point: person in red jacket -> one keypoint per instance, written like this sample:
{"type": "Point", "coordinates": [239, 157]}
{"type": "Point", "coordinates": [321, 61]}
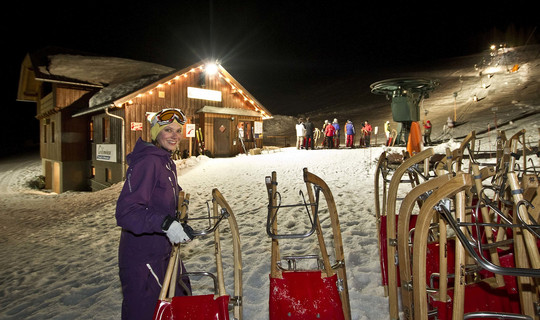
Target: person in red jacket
{"type": "Point", "coordinates": [367, 133]}
{"type": "Point", "coordinates": [427, 133]}
{"type": "Point", "coordinates": [329, 132]}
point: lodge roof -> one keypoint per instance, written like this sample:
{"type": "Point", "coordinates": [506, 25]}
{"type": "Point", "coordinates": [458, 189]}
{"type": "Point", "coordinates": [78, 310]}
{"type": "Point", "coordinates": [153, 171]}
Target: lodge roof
{"type": "Point", "coordinates": [54, 64]}
{"type": "Point", "coordinates": [116, 79]}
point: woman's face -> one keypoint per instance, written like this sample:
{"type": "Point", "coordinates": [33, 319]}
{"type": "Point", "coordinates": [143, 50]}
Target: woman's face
{"type": "Point", "coordinates": [169, 137]}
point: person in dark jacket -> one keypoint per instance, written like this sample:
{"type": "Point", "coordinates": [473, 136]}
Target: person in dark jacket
{"type": "Point", "coordinates": [146, 211]}
{"type": "Point", "coordinates": [337, 133]}
{"type": "Point", "coordinates": [309, 134]}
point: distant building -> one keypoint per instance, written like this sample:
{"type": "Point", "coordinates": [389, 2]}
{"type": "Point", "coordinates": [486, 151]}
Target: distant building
{"type": "Point", "coordinates": [92, 110]}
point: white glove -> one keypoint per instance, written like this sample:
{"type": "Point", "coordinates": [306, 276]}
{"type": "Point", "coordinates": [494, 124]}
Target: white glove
{"type": "Point", "coordinates": [176, 233]}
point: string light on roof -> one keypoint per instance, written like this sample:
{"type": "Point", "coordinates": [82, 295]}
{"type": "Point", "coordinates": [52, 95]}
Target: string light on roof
{"type": "Point", "coordinates": [210, 69]}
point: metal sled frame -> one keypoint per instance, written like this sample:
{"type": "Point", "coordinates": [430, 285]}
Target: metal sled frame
{"type": "Point", "coordinates": [526, 252]}
{"type": "Point", "coordinates": [213, 306]}
{"type": "Point", "coordinates": [476, 249]}
{"type": "Point", "coordinates": [326, 285]}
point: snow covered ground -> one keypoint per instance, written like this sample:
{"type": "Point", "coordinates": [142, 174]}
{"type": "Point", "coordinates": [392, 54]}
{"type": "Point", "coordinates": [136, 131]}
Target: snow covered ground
{"type": "Point", "coordinates": [59, 251]}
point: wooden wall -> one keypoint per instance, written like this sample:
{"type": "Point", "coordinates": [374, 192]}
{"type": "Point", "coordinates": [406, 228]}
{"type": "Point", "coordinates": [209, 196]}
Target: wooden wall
{"type": "Point", "coordinates": [62, 137]}
{"type": "Point", "coordinates": [174, 95]}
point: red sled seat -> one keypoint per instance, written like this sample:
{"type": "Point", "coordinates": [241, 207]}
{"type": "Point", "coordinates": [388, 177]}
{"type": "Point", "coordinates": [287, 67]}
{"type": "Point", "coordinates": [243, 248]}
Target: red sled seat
{"type": "Point", "coordinates": [383, 254]}
{"type": "Point", "coordinates": [480, 297]}
{"type": "Point", "coordinates": [203, 307]}
{"type": "Point", "coordinates": [304, 295]}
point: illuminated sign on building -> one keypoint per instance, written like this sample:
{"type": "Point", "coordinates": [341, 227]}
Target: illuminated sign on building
{"type": "Point", "coordinates": [203, 94]}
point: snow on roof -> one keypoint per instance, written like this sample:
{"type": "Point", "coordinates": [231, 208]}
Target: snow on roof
{"type": "Point", "coordinates": [100, 70]}
{"type": "Point", "coordinates": [118, 76]}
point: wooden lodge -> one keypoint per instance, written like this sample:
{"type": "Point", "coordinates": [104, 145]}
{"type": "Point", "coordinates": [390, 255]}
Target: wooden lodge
{"type": "Point", "coordinates": [90, 121]}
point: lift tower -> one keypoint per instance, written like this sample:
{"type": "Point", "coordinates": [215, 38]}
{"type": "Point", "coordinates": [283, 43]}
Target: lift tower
{"type": "Point", "coordinates": [406, 95]}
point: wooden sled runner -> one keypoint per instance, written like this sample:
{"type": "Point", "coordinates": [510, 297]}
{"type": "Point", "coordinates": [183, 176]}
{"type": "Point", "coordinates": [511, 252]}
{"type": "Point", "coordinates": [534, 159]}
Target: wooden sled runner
{"type": "Point", "coordinates": [307, 293]}
{"type": "Point", "coordinates": [388, 237]}
{"type": "Point", "coordinates": [214, 306]}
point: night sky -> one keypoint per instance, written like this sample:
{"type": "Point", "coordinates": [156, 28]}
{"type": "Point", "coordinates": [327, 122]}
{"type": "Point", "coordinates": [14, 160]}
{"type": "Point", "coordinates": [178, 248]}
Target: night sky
{"type": "Point", "coordinates": [274, 48]}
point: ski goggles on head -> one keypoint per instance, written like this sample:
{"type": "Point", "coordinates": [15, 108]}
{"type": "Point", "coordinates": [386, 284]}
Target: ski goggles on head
{"type": "Point", "coordinates": [167, 116]}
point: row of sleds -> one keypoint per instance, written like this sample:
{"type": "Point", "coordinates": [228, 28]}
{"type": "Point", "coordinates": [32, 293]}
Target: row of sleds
{"type": "Point", "coordinates": [459, 239]}
{"type": "Point", "coordinates": [303, 285]}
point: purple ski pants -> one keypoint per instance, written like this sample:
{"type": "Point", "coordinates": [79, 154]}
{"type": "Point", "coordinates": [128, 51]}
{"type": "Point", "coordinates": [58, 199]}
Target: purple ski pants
{"type": "Point", "coordinates": [141, 290]}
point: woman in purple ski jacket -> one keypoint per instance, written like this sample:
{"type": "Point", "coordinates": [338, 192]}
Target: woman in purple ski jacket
{"type": "Point", "coordinates": [146, 211]}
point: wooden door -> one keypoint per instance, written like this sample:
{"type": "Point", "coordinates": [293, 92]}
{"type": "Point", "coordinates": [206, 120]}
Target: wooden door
{"type": "Point", "coordinates": [222, 135]}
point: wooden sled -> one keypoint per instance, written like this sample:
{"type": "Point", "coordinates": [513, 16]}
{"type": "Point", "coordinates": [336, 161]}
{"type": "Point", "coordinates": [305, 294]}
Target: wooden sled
{"type": "Point", "coordinates": [388, 224]}
{"type": "Point", "coordinates": [453, 161]}
{"type": "Point", "coordinates": [320, 293]}
{"type": "Point", "coordinates": [210, 306]}
{"type": "Point", "coordinates": [404, 239]}
{"type": "Point", "coordinates": [469, 298]}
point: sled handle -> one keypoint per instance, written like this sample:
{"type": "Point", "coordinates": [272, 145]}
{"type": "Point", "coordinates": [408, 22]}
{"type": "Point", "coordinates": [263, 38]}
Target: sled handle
{"type": "Point", "coordinates": [223, 214]}
{"type": "Point", "coordinates": [204, 274]}
{"type": "Point", "coordinates": [273, 211]}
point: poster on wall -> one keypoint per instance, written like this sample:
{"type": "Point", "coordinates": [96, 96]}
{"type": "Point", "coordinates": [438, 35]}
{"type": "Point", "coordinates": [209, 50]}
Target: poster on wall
{"type": "Point", "coordinates": [190, 130]}
{"type": "Point", "coordinates": [258, 127]}
{"type": "Point", "coordinates": [106, 152]}
{"type": "Point", "coordinates": [136, 126]}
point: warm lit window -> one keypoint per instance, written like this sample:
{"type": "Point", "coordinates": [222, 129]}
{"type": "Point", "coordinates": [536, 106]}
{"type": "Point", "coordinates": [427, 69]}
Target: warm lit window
{"type": "Point", "coordinates": [91, 130]}
{"type": "Point", "coordinates": [108, 175]}
{"type": "Point", "coordinates": [245, 130]}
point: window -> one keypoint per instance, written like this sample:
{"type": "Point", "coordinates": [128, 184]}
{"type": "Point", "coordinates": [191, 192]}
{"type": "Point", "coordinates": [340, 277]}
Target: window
{"type": "Point", "coordinates": [91, 130]}
{"type": "Point", "coordinates": [245, 130]}
{"type": "Point", "coordinates": [44, 133]}
{"type": "Point", "coordinates": [92, 172]}
{"type": "Point", "coordinates": [52, 131]}
{"type": "Point", "coordinates": [108, 175]}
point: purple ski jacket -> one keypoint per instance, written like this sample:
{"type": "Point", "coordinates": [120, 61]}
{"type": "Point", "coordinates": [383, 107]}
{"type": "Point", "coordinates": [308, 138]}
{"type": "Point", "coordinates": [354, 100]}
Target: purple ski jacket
{"type": "Point", "coordinates": [150, 193]}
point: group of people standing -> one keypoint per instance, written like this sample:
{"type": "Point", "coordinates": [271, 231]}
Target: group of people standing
{"type": "Point", "coordinates": [307, 136]}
